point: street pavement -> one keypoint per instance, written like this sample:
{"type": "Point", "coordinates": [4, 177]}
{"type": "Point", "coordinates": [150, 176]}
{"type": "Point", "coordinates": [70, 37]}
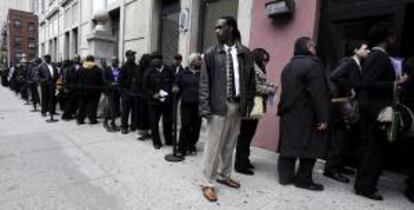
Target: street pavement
{"type": "Point", "coordinates": [65, 166]}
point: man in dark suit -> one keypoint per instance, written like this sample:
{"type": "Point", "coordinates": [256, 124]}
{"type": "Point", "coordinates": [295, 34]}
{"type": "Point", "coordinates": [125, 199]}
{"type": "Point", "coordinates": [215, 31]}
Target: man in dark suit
{"type": "Point", "coordinates": [378, 78]}
{"type": "Point", "coordinates": [178, 67]}
{"type": "Point", "coordinates": [226, 91]}
{"type": "Point", "coordinates": [126, 76]}
{"type": "Point", "coordinates": [32, 81]}
{"type": "Point", "coordinates": [407, 98]}
{"type": "Point", "coordinates": [48, 75]}
{"type": "Point", "coordinates": [347, 82]}
{"type": "Point", "coordinates": [158, 82]}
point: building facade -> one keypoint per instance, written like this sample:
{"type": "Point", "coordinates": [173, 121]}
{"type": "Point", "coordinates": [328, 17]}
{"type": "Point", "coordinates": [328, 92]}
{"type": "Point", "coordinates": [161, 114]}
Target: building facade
{"type": "Point", "coordinates": [23, 5]}
{"type": "Point", "coordinates": [108, 28]}
{"type": "Point", "coordinates": [21, 36]}
{"type": "Point", "coordinates": [5, 5]}
{"type": "Point", "coordinates": [277, 35]}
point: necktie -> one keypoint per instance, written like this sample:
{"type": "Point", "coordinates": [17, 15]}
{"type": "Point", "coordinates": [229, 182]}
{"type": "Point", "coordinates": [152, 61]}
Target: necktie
{"type": "Point", "coordinates": [230, 74]}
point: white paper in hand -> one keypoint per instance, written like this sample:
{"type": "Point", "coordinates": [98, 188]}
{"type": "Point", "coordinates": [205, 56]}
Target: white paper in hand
{"type": "Point", "coordinates": [163, 93]}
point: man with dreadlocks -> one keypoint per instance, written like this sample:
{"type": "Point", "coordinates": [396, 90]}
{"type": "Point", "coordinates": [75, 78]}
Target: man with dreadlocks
{"type": "Point", "coordinates": [226, 92]}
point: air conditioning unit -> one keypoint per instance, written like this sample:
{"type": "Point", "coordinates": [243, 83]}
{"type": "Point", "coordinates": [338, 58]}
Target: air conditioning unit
{"type": "Point", "coordinates": [280, 7]}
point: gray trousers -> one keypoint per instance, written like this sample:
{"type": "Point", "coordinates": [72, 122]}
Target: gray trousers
{"type": "Point", "coordinates": [218, 151]}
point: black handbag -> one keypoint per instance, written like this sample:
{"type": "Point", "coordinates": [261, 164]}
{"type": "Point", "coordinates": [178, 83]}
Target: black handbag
{"type": "Point", "coordinates": [346, 109]}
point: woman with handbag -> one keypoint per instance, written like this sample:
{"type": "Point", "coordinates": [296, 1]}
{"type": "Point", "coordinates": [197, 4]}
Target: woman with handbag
{"type": "Point", "coordinates": [346, 80]}
{"type": "Point", "coordinates": [248, 126]}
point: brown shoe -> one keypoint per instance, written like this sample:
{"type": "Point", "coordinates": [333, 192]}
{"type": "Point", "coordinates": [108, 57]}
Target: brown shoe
{"type": "Point", "coordinates": [229, 183]}
{"type": "Point", "coordinates": [209, 193]}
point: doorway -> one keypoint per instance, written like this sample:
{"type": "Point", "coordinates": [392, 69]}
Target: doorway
{"type": "Point", "coordinates": [343, 21]}
{"type": "Point", "coordinates": [115, 17]}
{"type": "Point", "coordinates": [169, 30]}
{"type": "Point", "coordinates": [75, 48]}
{"type": "Point", "coordinates": [66, 53]}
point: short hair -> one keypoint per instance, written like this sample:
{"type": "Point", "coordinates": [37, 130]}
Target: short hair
{"type": "Point", "coordinates": [379, 33]}
{"type": "Point", "coordinates": [231, 21]}
{"type": "Point", "coordinates": [156, 55]}
{"type": "Point", "coordinates": [144, 61]}
{"type": "Point", "coordinates": [353, 45]}
{"type": "Point", "coordinates": [193, 56]}
{"type": "Point", "coordinates": [178, 57]}
{"type": "Point", "coordinates": [47, 56]}
{"type": "Point", "coordinates": [301, 46]}
{"type": "Point", "coordinates": [90, 58]}
{"type": "Point", "coordinates": [67, 62]}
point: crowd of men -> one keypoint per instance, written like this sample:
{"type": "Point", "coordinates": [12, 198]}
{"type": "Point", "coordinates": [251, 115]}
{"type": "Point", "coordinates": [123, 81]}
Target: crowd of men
{"type": "Point", "coordinates": [226, 85]}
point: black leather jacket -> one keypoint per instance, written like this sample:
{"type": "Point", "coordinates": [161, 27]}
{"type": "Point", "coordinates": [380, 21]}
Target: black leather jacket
{"type": "Point", "coordinates": [213, 95]}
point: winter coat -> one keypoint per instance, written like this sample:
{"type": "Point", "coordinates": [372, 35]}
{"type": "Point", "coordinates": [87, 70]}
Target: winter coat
{"type": "Point", "coordinates": [304, 103]}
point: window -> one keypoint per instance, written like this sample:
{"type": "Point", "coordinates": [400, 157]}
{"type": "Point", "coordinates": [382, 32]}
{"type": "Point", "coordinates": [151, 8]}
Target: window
{"type": "Point", "coordinates": [17, 24]}
{"type": "Point", "coordinates": [31, 56]}
{"type": "Point", "coordinates": [17, 57]}
{"type": "Point", "coordinates": [18, 42]}
{"type": "Point", "coordinates": [31, 42]}
{"type": "Point", "coordinates": [32, 29]}
{"type": "Point", "coordinates": [43, 5]}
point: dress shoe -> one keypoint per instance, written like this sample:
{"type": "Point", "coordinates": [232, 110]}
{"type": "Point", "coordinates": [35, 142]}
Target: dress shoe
{"type": "Point", "coordinates": [370, 195]}
{"type": "Point", "coordinates": [105, 125]}
{"type": "Point", "coordinates": [124, 131]}
{"type": "Point", "coordinates": [229, 183]}
{"type": "Point", "coordinates": [111, 130]}
{"type": "Point", "coordinates": [81, 122]}
{"type": "Point", "coordinates": [209, 193]}
{"type": "Point", "coordinates": [336, 176]}
{"type": "Point", "coordinates": [157, 146]}
{"type": "Point", "coordinates": [312, 186]}
{"type": "Point", "coordinates": [346, 171]}
{"type": "Point", "coordinates": [410, 195]}
{"type": "Point", "coordinates": [244, 171]}
{"type": "Point", "coordinates": [192, 151]}
{"type": "Point", "coordinates": [144, 137]}
{"type": "Point", "coordinates": [115, 128]}
{"type": "Point", "coordinates": [93, 122]}
{"type": "Point", "coordinates": [65, 119]}
{"type": "Point", "coordinates": [250, 165]}
{"type": "Point", "coordinates": [284, 183]}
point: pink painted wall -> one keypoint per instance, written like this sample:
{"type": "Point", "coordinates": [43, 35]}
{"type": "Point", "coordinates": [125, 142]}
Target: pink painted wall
{"type": "Point", "coordinates": [278, 40]}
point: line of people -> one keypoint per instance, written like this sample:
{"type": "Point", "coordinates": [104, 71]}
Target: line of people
{"type": "Point", "coordinates": [319, 114]}
{"type": "Point", "coordinates": [322, 115]}
{"type": "Point", "coordinates": [140, 94]}
{"type": "Point", "coordinates": [226, 86]}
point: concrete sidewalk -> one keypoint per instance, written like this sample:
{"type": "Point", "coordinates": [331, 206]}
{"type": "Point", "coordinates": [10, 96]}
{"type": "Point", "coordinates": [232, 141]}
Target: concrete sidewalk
{"type": "Point", "coordinates": [65, 166]}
